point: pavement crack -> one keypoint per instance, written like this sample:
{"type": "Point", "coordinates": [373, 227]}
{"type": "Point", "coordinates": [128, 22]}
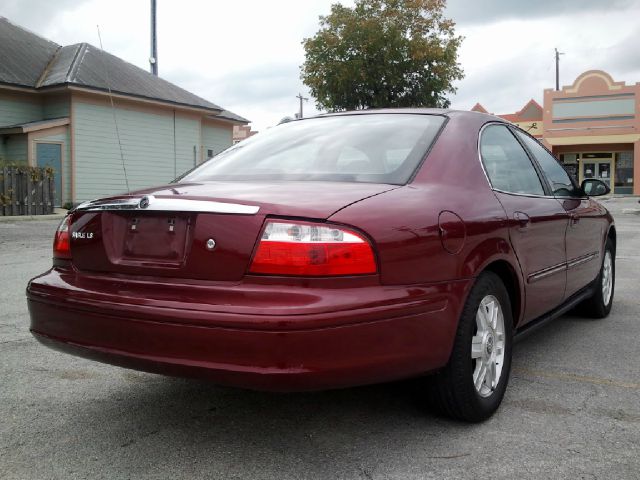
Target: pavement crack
{"type": "Point", "coordinates": [450, 457]}
{"type": "Point", "coordinates": [15, 340]}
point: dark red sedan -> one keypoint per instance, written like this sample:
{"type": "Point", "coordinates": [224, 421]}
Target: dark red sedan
{"type": "Point", "coordinates": [334, 251]}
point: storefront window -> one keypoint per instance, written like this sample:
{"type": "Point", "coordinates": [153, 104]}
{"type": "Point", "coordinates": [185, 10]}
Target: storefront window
{"type": "Point", "coordinates": [624, 171]}
{"type": "Point", "coordinates": [589, 170]}
{"type": "Point", "coordinates": [570, 163]}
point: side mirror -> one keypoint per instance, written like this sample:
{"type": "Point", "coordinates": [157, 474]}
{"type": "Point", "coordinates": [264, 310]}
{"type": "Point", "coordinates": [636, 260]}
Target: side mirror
{"type": "Point", "coordinates": [594, 187]}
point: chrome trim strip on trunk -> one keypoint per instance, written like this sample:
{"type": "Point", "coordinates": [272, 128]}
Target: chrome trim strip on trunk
{"type": "Point", "coordinates": [151, 203]}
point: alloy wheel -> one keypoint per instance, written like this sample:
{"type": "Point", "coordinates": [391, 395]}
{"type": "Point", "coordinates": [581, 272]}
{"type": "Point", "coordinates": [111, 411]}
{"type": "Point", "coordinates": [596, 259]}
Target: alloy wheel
{"type": "Point", "coordinates": [607, 278]}
{"type": "Point", "coordinates": [488, 345]}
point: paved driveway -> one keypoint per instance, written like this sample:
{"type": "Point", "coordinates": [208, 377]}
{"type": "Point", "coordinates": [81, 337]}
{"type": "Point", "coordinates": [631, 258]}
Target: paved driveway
{"type": "Point", "coordinates": [572, 409]}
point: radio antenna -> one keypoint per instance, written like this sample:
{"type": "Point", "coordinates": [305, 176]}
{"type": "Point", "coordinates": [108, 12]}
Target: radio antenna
{"type": "Point", "coordinates": [113, 110]}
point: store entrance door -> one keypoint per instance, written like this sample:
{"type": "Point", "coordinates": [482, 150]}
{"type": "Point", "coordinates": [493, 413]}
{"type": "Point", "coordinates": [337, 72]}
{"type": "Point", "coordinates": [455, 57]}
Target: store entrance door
{"type": "Point", "coordinates": [598, 168]}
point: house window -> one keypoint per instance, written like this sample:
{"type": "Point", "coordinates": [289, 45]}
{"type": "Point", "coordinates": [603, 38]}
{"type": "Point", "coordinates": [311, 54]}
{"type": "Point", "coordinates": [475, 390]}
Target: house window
{"type": "Point", "coordinates": [209, 154]}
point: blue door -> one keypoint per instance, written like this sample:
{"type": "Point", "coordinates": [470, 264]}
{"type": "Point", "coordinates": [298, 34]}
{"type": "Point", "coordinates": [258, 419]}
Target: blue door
{"type": "Point", "coordinates": [50, 155]}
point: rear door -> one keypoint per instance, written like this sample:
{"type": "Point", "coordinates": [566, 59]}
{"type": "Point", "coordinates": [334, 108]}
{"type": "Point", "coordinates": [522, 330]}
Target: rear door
{"type": "Point", "coordinates": [585, 229]}
{"type": "Point", "coordinates": [537, 222]}
{"type": "Point", "coordinates": [49, 155]}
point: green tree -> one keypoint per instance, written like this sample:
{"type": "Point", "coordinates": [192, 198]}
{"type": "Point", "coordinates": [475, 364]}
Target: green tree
{"type": "Point", "coordinates": [383, 53]}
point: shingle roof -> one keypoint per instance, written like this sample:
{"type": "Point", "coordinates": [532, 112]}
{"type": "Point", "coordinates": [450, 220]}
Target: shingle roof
{"type": "Point", "coordinates": [31, 61]}
{"type": "Point", "coordinates": [230, 116]}
{"type": "Point", "coordinates": [87, 66]}
{"type": "Point", "coordinates": [23, 54]}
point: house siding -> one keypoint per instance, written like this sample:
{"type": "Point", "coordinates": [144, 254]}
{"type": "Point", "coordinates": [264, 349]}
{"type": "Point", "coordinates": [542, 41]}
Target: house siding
{"type": "Point", "coordinates": [20, 109]}
{"type": "Point", "coordinates": [216, 138]}
{"type": "Point", "coordinates": [151, 156]}
{"type": "Point", "coordinates": [187, 140]}
{"type": "Point", "coordinates": [56, 107]}
{"type": "Point", "coordinates": [15, 150]}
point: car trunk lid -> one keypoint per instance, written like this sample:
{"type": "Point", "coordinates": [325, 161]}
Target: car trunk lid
{"type": "Point", "coordinates": [199, 231]}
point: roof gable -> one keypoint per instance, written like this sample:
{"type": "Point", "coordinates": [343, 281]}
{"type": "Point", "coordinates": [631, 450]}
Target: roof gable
{"type": "Point", "coordinates": [531, 111]}
{"type": "Point", "coordinates": [479, 108]}
{"type": "Point", "coordinates": [58, 70]}
{"type": "Point", "coordinates": [31, 61]}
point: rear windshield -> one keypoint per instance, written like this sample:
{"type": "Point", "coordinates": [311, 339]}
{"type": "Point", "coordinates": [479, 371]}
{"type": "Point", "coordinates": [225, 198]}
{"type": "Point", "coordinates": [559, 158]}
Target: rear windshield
{"type": "Point", "coordinates": [374, 148]}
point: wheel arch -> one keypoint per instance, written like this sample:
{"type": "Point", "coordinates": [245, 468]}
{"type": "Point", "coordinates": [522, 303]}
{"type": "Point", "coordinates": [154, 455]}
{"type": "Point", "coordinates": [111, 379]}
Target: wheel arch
{"type": "Point", "coordinates": [511, 280]}
{"type": "Point", "coordinates": [496, 255]}
{"type": "Point", "coordinates": [612, 235]}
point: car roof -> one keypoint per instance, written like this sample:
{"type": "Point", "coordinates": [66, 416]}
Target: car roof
{"type": "Point", "coordinates": [447, 112]}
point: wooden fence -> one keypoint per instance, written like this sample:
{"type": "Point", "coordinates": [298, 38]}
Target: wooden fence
{"type": "Point", "coordinates": [26, 191]}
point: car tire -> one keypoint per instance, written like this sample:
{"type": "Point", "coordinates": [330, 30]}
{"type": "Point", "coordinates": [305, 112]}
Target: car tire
{"type": "Point", "coordinates": [454, 391]}
{"type": "Point", "coordinates": [599, 304]}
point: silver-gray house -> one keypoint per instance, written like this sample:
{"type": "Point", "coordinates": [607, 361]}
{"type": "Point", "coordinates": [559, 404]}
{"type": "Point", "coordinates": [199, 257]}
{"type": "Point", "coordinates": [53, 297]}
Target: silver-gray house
{"type": "Point", "coordinates": [55, 110]}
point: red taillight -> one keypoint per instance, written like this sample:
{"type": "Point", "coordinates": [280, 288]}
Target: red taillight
{"type": "Point", "coordinates": [61, 245]}
{"type": "Point", "coordinates": [306, 249]}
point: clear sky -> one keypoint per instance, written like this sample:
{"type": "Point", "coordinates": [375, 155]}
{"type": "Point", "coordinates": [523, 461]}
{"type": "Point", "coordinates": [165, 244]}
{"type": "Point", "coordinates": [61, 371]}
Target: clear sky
{"type": "Point", "coordinates": [245, 55]}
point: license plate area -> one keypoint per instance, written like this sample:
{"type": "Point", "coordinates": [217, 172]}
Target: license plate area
{"type": "Point", "coordinates": [151, 239]}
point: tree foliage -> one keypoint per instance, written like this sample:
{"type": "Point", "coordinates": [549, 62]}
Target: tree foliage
{"type": "Point", "coordinates": [383, 53]}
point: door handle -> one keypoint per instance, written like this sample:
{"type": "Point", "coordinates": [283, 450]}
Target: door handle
{"type": "Point", "coordinates": [574, 218]}
{"type": "Point", "coordinates": [522, 219]}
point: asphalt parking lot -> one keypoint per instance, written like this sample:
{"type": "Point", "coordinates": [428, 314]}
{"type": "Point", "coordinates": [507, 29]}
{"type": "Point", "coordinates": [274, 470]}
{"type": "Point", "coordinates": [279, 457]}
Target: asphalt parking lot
{"type": "Point", "coordinates": [572, 410]}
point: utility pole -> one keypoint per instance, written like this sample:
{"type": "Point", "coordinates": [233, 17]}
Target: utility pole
{"type": "Point", "coordinates": [558, 68]}
{"type": "Point", "coordinates": [153, 59]}
{"type": "Point", "coordinates": [302, 99]}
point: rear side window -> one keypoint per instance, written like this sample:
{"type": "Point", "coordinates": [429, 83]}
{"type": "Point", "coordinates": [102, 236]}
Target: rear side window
{"type": "Point", "coordinates": [558, 177]}
{"type": "Point", "coordinates": [507, 164]}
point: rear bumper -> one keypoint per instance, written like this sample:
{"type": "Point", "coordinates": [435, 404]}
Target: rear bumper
{"type": "Point", "coordinates": [318, 348]}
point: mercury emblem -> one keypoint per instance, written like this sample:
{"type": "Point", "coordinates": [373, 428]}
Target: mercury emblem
{"type": "Point", "coordinates": [490, 345]}
{"type": "Point", "coordinates": [144, 202]}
